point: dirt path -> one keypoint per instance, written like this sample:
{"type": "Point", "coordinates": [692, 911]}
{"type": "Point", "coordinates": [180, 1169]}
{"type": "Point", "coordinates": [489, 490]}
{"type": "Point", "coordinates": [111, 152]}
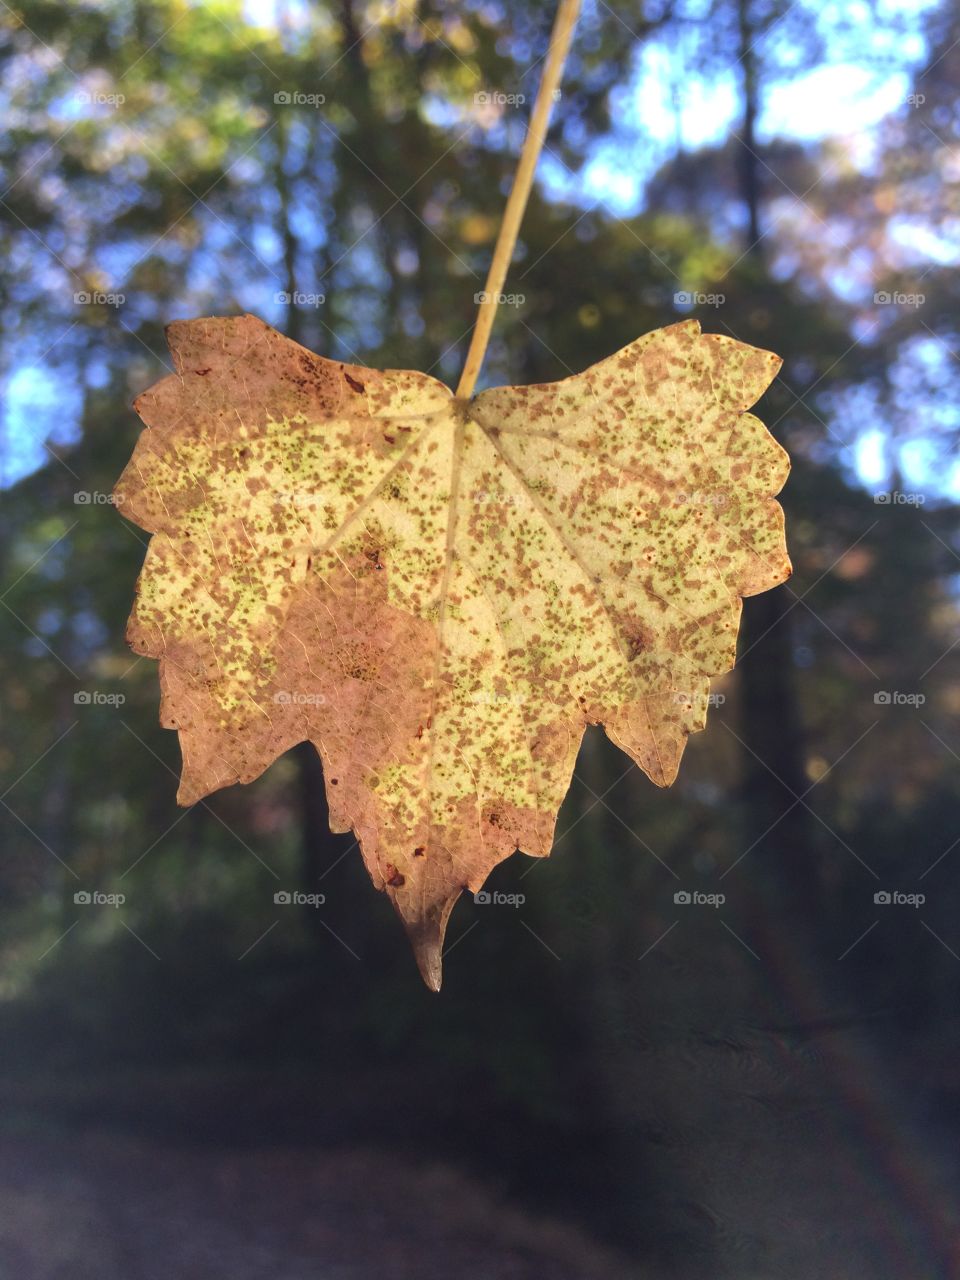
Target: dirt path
{"type": "Point", "coordinates": [83, 1205]}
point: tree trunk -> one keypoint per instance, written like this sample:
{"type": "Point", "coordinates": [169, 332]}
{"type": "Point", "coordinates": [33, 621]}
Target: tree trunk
{"type": "Point", "coordinates": [749, 175]}
{"type": "Point", "coordinates": [770, 723]}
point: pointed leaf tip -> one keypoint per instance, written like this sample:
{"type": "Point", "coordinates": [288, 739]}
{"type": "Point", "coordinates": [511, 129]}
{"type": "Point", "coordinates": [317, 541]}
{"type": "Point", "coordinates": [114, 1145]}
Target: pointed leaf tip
{"type": "Point", "coordinates": [426, 930]}
{"type": "Point", "coordinates": [430, 963]}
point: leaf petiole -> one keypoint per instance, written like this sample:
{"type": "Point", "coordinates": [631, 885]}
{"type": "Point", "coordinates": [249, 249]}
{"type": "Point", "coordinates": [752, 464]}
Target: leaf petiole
{"type": "Point", "coordinates": [560, 39]}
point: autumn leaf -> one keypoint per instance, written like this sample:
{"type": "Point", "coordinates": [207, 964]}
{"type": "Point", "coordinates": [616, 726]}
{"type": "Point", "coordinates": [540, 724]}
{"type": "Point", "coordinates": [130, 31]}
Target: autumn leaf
{"type": "Point", "coordinates": [441, 594]}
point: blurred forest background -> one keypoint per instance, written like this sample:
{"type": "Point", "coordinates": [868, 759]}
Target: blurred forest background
{"type": "Point", "coordinates": [201, 1081]}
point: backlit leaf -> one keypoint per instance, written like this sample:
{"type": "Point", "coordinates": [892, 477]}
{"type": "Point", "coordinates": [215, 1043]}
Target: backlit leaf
{"type": "Point", "coordinates": [439, 594]}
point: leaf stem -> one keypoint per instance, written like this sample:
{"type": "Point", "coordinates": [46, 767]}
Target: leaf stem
{"type": "Point", "coordinates": [560, 38]}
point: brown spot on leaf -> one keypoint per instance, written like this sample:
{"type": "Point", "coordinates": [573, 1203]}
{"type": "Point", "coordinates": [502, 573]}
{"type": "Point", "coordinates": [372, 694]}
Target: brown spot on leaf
{"type": "Point", "coordinates": [639, 637]}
